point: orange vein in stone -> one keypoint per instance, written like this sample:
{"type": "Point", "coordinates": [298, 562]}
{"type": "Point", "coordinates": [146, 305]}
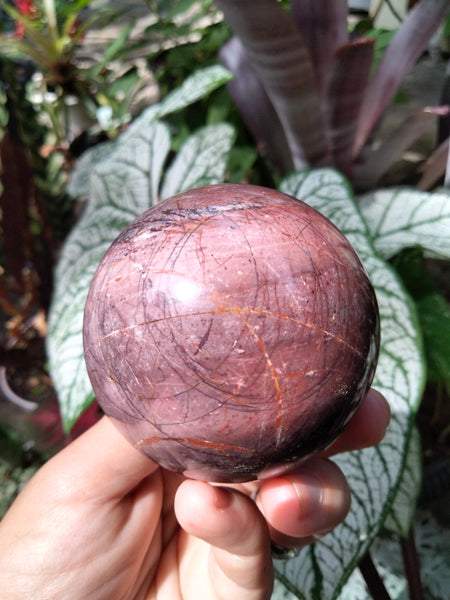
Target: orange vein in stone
{"type": "Point", "coordinates": [225, 310]}
{"type": "Point", "coordinates": [222, 447]}
{"type": "Point", "coordinates": [279, 420]}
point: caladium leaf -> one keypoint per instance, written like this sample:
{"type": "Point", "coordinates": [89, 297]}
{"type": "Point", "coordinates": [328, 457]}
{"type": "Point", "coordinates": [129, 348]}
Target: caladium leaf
{"type": "Point", "coordinates": [198, 85]}
{"type": "Point", "coordinates": [406, 46]}
{"type": "Point", "coordinates": [402, 512]}
{"type": "Point", "coordinates": [79, 182]}
{"type": "Point", "coordinates": [374, 474]}
{"type": "Point", "coordinates": [280, 58]}
{"type": "Point", "coordinates": [121, 187]}
{"type": "Point", "coordinates": [433, 549]}
{"type": "Point", "coordinates": [323, 26]}
{"type": "Point", "coordinates": [118, 193]}
{"type": "Point", "coordinates": [193, 166]}
{"type": "Point", "coordinates": [402, 218]}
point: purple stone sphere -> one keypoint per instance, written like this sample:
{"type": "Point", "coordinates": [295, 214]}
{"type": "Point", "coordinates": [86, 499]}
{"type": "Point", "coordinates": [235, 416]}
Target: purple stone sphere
{"type": "Point", "coordinates": [231, 331]}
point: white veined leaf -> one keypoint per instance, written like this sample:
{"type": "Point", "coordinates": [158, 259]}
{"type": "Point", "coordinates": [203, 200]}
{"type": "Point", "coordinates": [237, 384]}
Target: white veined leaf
{"type": "Point", "coordinates": [195, 87]}
{"type": "Point", "coordinates": [356, 588]}
{"type": "Point", "coordinates": [200, 160]}
{"type": "Point", "coordinates": [402, 511]}
{"type": "Point", "coordinates": [121, 187]}
{"type": "Point", "coordinates": [401, 218]}
{"type": "Point", "coordinates": [433, 549]}
{"type": "Point", "coordinates": [119, 192]}
{"type": "Point", "coordinates": [281, 589]}
{"type": "Point", "coordinates": [374, 474]}
{"type": "Point", "coordinates": [399, 521]}
{"type": "Point", "coordinates": [79, 182]}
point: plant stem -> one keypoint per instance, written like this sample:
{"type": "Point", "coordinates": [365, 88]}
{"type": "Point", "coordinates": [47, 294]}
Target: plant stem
{"type": "Point", "coordinates": [412, 566]}
{"type": "Point", "coordinates": [373, 579]}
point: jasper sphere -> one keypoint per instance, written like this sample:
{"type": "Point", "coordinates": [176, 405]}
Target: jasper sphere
{"type": "Point", "coordinates": [231, 331]}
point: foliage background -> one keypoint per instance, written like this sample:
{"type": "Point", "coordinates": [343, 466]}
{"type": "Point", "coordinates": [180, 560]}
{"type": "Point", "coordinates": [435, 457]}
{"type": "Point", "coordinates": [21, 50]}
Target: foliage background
{"type": "Point", "coordinates": [402, 235]}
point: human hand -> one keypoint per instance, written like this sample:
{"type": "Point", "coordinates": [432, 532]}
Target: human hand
{"type": "Point", "coordinates": [100, 521]}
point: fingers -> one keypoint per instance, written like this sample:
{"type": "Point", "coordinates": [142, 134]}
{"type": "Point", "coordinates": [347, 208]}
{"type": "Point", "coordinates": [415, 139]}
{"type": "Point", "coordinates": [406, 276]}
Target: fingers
{"type": "Point", "coordinates": [367, 427]}
{"type": "Point", "coordinates": [314, 498]}
{"type": "Point", "coordinates": [305, 504]}
{"type": "Point", "coordinates": [240, 563]}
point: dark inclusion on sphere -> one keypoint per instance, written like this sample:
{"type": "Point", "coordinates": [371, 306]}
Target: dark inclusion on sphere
{"type": "Point", "coordinates": [231, 331]}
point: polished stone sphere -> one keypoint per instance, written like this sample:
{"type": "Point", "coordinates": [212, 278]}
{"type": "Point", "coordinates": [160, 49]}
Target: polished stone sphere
{"type": "Point", "coordinates": [231, 331]}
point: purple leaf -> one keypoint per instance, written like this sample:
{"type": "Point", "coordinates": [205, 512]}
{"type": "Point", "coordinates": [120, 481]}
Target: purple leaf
{"type": "Point", "coordinates": [435, 167]}
{"type": "Point", "coordinates": [376, 163]}
{"type": "Point", "coordinates": [254, 105]}
{"type": "Point", "coordinates": [444, 123]}
{"type": "Point", "coordinates": [279, 57]}
{"type": "Point", "coordinates": [323, 26]}
{"type": "Point", "coordinates": [343, 98]}
{"type": "Point", "coordinates": [406, 46]}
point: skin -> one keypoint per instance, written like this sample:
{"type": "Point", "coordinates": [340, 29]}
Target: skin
{"type": "Point", "coordinates": [102, 521]}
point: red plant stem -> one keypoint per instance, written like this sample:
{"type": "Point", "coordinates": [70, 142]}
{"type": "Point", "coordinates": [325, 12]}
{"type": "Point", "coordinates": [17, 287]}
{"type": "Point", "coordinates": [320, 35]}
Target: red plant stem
{"type": "Point", "coordinates": [373, 579]}
{"type": "Point", "coordinates": [412, 566]}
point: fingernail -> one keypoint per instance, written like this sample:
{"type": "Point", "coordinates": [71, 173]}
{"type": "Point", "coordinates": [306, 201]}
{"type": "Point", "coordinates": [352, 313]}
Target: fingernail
{"type": "Point", "coordinates": [222, 498]}
{"type": "Point", "coordinates": [309, 491]}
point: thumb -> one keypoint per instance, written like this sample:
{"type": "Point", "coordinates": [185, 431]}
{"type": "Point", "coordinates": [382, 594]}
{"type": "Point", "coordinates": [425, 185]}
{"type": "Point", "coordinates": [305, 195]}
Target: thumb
{"type": "Point", "coordinates": [99, 464]}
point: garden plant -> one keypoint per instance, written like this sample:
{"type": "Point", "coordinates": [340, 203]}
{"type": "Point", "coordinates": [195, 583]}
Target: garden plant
{"type": "Point", "coordinates": [314, 129]}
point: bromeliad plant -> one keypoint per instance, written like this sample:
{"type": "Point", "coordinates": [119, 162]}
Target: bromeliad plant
{"type": "Point", "coordinates": [50, 100]}
{"type": "Point", "coordinates": [124, 177]}
{"type": "Point", "coordinates": [306, 89]}
{"type": "Point", "coordinates": [48, 34]}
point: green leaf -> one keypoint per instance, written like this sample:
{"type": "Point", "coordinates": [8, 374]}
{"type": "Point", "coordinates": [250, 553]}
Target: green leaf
{"type": "Point", "coordinates": [402, 218]}
{"type": "Point", "coordinates": [181, 7]}
{"type": "Point", "coordinates": [201, 83]}
{"type": "Point", "coordinates": [433, 310]}
{"type": "Point", "coordinates": [121, 186]}
{"type": "Point", "coordinates": [194, 88]}
{"type": "Point", "coordinates": [434, 315]}
{"type": "Point", "coordinates": [114, 48]}
{"type": "Point", "coordinates": [374, 474]}
{"type": "Point", "coordinates": [409, 264]}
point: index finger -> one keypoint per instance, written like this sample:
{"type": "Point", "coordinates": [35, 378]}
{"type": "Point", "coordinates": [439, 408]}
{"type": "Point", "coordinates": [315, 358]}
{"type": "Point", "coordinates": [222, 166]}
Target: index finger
{"type": "Point", "coordinates": [366, 428]}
